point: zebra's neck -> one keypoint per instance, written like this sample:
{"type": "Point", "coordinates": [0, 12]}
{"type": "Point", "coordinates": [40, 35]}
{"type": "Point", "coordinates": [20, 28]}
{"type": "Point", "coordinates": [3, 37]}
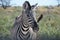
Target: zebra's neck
{"type": "Point", "coordinates": [23, 32]}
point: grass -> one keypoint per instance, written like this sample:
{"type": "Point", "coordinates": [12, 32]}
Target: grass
{"type": "Point", "coordinates": [49, 25]}
{"type": "Point", "coordinates": [7, 18]}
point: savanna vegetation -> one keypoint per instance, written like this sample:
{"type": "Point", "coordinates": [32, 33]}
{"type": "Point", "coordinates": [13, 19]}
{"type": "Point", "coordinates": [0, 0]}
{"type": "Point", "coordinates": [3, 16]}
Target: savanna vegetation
{"type": "Point", "coordinates": [49, 26]}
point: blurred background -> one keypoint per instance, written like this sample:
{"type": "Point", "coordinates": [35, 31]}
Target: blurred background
{"type": "Point", "coordinates": [49, 26]}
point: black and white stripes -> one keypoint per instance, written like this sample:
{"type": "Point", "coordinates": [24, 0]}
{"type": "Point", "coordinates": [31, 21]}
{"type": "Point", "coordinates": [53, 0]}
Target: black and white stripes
{"type": "Point", "coordinates": [25, 25]}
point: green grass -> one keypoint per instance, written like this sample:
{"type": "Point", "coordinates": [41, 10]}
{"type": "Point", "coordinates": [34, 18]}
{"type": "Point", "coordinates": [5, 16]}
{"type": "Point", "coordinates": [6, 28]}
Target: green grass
{"type": "Point", "coordinates": [7, 18]}
{"type": "Point", "coordinates": [49, 25]}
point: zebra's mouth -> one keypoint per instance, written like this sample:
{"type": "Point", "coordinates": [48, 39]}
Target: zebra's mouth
{"type": "Point", "coordinates": [35, 29]}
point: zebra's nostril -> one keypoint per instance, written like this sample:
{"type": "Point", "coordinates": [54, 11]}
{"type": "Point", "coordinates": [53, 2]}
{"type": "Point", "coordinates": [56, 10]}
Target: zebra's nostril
{"type": "Point", "coordinates": [35, 29]}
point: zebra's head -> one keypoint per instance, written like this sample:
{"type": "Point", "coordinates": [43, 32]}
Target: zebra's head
{"type": "Point", "coordinates": [27, 7]}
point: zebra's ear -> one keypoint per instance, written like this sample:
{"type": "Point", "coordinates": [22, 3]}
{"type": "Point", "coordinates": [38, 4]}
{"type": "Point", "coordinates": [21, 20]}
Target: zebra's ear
{"type": "Point", "coordinates": [26, 5]}
{"type": "Point", "coordinates": [33, 6]}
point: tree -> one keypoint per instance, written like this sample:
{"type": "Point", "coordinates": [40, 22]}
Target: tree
{"type": "Point", "coordinates": [5, 3]}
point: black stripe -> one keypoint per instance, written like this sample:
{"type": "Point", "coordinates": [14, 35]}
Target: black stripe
{"type": "Point", "coordinates": [29, 20]}
{"type": "Point", "coordinates": [22, 35]}
{"type": "Point", "coordinates": [24, 26]}
{"type": "Point", "coordinates": [24, 29]}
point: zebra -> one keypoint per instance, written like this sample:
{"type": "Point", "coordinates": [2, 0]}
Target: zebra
{"type": "Point", "coordinates": [25, 26]}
